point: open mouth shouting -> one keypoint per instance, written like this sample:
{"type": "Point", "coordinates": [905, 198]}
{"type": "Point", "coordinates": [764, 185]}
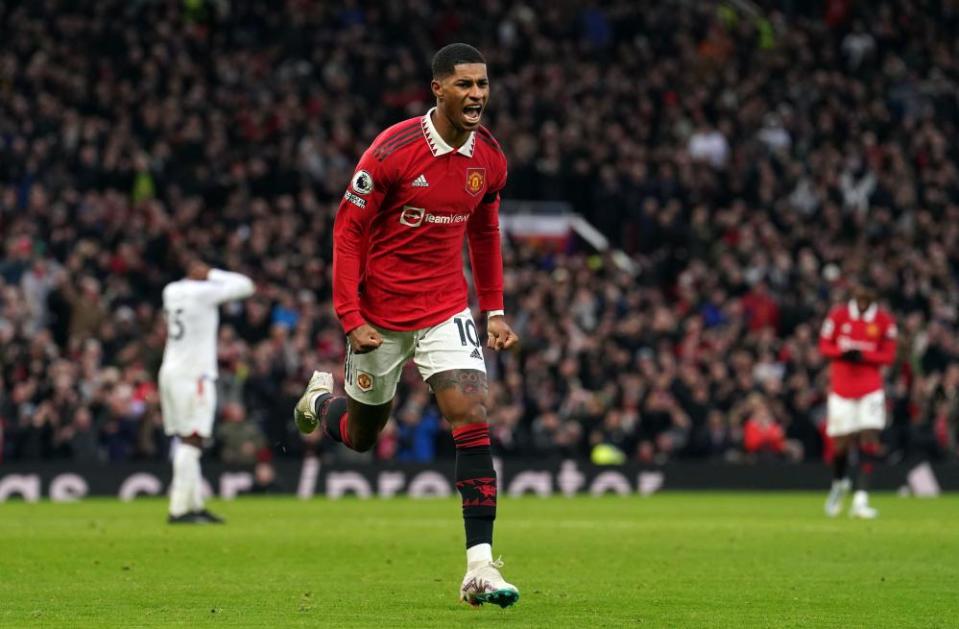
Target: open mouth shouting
{"type": "Point", "coordinates": [471, 115]}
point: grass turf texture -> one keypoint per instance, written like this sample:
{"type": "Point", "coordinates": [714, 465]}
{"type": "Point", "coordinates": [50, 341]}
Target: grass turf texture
{"type": "Point", "coordinates": [673, 560]}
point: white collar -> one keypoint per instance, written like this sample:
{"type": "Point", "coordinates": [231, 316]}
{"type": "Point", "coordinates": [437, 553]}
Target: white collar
{"type": "Point", "coordinates": [869, 315]}
{"type": "Point", "coordinates": [438, 145]}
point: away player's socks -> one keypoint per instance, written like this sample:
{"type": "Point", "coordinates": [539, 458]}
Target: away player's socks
{"type": "Point", "coordinates": [476, 482]}
{"type": "Point", "coordinates": [186, 472]}
{"type": "Point", "coordinates": [331, 411]}
{"type": "Point", "coordinates": [196, 495]}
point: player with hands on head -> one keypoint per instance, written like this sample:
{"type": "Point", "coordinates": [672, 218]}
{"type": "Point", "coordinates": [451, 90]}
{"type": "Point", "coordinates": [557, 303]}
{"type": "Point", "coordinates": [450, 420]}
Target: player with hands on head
{"type": "Point", "coordinates": [399, 291]}
{"type": "Point", "coordinates": [188, 377]}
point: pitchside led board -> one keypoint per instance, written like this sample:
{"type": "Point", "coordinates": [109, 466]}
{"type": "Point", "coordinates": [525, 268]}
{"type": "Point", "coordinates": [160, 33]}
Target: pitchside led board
{"type": "Point", "coordinates": [309, 478]}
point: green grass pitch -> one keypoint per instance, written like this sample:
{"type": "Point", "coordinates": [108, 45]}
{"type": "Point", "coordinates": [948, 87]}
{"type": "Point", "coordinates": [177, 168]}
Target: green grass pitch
{"type": "Point", "coordinates": [671, 560]}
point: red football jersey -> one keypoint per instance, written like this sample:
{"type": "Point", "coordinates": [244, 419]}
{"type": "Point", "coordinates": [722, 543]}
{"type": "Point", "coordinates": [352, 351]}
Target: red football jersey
{"type": "Point", "coordinates": [873, 333]}
{"type": "Point", "coordinates": [398, 233]}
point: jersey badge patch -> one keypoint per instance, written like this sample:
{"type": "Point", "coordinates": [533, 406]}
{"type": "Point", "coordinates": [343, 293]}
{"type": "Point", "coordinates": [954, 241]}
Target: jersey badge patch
{"type": "Point", "coordinates": [359, 202]}
{"type": "Point", "coordinates": [362, 182]}
{"type": "Point", "coordinates": [475, 180]}
{"type": "Point", "coordinates": [364, 381]}
{"type": "Point", "coordinates": [412, 216]}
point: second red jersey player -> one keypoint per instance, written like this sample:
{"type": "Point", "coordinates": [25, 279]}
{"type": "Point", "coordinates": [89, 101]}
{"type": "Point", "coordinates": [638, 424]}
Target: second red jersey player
{"type": "Point", "coordinates": [399, 231]}
{"type": "Point", "coordinates": [860, 339]}
{"type": "Point", "coordinates": [871, 333]}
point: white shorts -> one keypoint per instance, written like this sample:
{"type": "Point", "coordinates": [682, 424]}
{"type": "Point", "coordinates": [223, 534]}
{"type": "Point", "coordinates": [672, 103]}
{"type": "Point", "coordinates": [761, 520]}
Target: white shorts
{"type": "Point", "coordinates": [371, 378]}
{"type": "Point", "coordinates": [188, 404]}
{"type": "Point", "coordinates": [848, 415]}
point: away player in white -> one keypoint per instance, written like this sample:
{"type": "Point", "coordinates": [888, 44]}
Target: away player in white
{"type": "Point", "coordinates": [188, 376]}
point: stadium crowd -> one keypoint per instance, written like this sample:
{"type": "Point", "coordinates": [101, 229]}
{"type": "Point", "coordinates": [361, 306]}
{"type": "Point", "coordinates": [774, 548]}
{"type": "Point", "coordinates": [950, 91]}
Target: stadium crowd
{"type": "Point", "coordinates": [748, 159]}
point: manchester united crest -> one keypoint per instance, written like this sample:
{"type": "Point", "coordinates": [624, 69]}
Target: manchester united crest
{"type": "Point", "coordinates": [872, 331]}
{"type": "Point", "coordinates": [364, 381]}
{"type": "Point", "coordinates": [475, 180]}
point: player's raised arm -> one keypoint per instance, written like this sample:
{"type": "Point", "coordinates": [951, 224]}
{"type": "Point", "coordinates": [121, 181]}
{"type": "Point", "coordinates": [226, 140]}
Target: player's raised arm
{"type": "Point", "coordinates": [360, 203]}
{"type": "Point", "coordinates": [229, 286]}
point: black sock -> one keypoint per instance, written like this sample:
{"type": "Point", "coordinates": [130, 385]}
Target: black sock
{"type": "Point", "coordinates": [840, 465]}
{"type": "Point", "coordinates": [330, 411]}
{"type": "Point", "coordinates": [476, 482]}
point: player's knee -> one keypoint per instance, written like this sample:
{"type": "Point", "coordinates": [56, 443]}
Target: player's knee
{"type": "Point", "coordinates": [194, 440]}
{"type": "Point", "coordinates": [469, 411]}
{"type": "Point", "coordinates": [362, 440]}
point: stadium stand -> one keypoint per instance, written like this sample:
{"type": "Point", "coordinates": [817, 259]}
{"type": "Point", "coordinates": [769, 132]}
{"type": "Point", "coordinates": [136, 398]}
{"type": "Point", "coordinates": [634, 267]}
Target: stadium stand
{"type": "Point", "coordinates": [748, 157]}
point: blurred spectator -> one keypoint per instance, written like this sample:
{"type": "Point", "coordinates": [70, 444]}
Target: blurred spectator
{"type": "Point", "coordinates": [239, 440]}
{"type": "Point", "coordinates": [417, 425]}
{"type": "Point", "coordinates": [763, 433]}
{"type": "Point", "coordinates": [80, 437]}
{"type": "Point", "coordinates": [945, 408]}
{"type": "Point", "coordinates": [717, 439]}
{"type": "Point", "coordinates": [264, 479]}
{"type": "Point", "coordinates": [709, 145]}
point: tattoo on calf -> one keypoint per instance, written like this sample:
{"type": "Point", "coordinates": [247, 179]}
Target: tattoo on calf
{"type": "Point", "coordinates": [469, 381]}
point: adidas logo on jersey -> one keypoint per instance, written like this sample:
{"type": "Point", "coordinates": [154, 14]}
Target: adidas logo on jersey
{"type": "Point", "coordinates": [420, 182]}
{"type": "Point", "coordinates": [476, 354]}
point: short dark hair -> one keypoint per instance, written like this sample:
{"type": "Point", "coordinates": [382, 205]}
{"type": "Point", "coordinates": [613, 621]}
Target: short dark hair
{"type": "Point", "coordinates": [450, 56]}
{"type": "Point", "coordinates": [864, 281]}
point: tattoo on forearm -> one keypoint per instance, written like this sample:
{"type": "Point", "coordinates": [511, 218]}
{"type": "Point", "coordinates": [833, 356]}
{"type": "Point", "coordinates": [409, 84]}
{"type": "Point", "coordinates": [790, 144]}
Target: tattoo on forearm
{"type": "Point", "coordinates": [469, 381]}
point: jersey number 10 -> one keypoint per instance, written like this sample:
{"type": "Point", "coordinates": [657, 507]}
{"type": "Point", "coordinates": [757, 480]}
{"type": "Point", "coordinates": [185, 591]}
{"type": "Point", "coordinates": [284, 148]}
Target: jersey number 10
{"type": "Point", "coordinates": [467, 331]}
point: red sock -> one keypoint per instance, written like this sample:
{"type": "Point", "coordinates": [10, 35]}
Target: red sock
{"type": "Point", "coordinates": [345, 430]}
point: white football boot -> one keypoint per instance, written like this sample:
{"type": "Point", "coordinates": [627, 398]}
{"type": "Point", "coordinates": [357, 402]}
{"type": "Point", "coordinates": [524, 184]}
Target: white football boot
{"type": "Point", "coordinates": [485, 584]}
{"type": "Point", "coordinates": [860, 507]}
{"type": "Point", "coordinates": [836, 495]}
{"type": "Point", "coordinates": [304, 413]}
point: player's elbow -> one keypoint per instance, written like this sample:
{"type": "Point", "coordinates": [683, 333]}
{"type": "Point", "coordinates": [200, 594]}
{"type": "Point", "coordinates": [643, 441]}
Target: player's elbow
{"type": "Point", "coordinates": [246, 287]}
{"type": "Point", "coordinates": [240, 286]}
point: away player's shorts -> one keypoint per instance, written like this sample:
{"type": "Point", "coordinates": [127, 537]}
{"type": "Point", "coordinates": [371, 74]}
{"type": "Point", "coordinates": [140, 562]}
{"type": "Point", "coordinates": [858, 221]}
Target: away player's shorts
{"type": "Point", "coordinates": [851, 415]}
{"type": "Point", "coordinates": [188, 404]}
{"type": "Point", "coordinates": [371, 378]}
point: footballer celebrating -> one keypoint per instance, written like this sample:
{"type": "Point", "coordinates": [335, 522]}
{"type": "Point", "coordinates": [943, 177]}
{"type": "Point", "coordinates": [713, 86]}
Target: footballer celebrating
{"type": "Point", "coordinates": [188, 377]}
{"type": "Point", "coordinates": [400, 292]}
{"type": "Point", "coordinates": [860, 339]}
